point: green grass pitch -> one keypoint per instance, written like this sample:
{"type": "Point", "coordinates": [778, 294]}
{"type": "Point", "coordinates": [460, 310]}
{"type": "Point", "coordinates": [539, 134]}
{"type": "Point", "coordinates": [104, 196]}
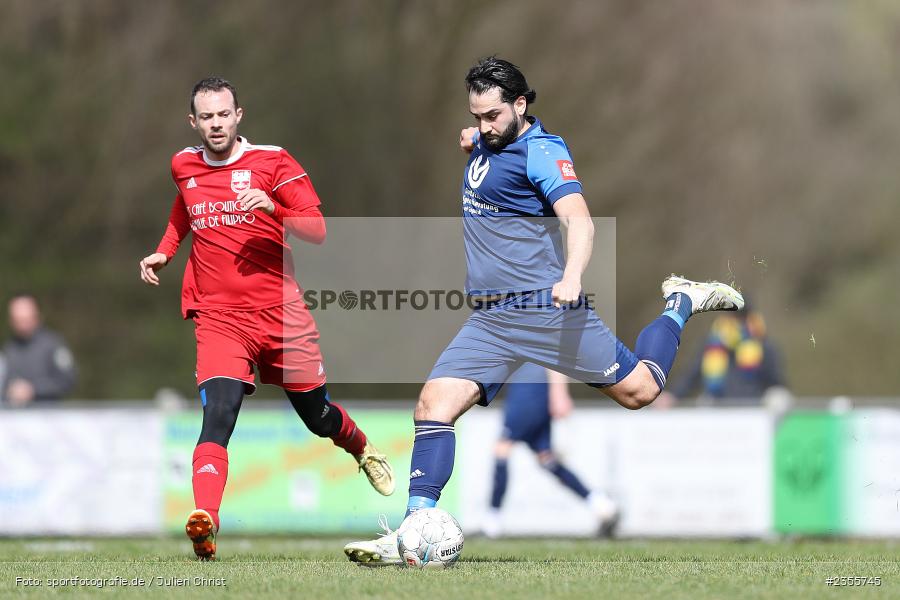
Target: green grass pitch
{"type": "Point", "coordinates": [294, 567]}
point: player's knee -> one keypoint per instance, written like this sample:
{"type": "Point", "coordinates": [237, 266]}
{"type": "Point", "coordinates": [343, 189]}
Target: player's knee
{"type": "Point", "coordinates": [647, 395]}
{"type": "Point", "coordinates": [445, 400]}
{"type": "Point", "coordinates": [313, 407]}
{"type": "Point", "coordinates": [503, 449]}
{"type": "Point", "coordinates": [425, 404]}
{"type": "Point", "coordinates": [222, 399]}
{"type": "Point", "coordinates": [432, 403]}
{"type": "Point", "coordinates": [547, 459]}
{"type": "Point", "coordinates": [638, 398]}
{"type": "Point", "coordinates": [638, 390]}
{"type": "Point", "coordinates": [218, 425]}
{"type": "Point", "coordinates": [323, 427]}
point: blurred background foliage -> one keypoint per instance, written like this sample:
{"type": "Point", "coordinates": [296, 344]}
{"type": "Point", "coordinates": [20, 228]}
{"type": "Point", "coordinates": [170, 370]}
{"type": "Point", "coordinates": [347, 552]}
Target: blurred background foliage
{"type": "Point", "coordinates": [757, 141]}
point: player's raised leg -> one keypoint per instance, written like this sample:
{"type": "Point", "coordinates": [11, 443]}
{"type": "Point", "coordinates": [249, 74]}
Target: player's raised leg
{"type": "Point", "coordinates": [329, 419]}
{"type": "Point", "coordinates": [221, 398]}
{"type": "Point", "coordinates": [657, 344]}
{"type": "Point", "coordinates": [442, 401]}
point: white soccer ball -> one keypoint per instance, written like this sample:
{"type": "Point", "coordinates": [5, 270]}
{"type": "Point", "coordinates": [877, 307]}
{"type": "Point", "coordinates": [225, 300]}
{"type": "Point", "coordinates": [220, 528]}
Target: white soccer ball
{"type": "Point", "coordinates": [430, 538]}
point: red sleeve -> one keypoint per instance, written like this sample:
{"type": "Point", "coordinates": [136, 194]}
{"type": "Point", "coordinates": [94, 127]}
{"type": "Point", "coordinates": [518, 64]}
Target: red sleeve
{"type": "Point", "coordinates": [178, 228]}
{"type": "Point", "coordinates": [292, 188]}
{"type": "Point", "coordinates": [296, 201]}
{"type": "Point", "coordinates": [308, 224]}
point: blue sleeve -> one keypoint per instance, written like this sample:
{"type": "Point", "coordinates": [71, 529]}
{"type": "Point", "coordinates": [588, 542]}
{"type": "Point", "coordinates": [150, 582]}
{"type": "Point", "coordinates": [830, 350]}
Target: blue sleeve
{"type": "Point", "coordinates": [550, 168]}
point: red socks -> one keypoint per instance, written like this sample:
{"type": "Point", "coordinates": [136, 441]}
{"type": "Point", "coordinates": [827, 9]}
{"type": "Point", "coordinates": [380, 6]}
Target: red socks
{"type": "Point", "coordinates": [350, 437]}
{"type": "Point", "coordinates": [210, 473]}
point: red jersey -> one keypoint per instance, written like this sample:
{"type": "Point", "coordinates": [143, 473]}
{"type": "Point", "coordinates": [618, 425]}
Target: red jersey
{"type": "Point", "coordinates": [239, 260]}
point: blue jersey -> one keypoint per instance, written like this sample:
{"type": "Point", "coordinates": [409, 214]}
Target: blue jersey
{"type": "Point", "coordinates": [512, 237]}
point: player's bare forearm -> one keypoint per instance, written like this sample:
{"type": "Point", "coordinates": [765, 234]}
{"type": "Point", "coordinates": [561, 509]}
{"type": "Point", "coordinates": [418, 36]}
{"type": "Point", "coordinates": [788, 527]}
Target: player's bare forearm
{"type": "Point", "coordinates": [573, 213]}
{"type": "Point", "coordinates": [580, 245]}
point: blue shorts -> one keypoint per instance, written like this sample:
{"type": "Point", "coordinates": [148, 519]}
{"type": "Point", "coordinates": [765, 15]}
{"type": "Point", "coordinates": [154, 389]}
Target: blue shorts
{"type": "Point", "coordinates": [527, 328]}
{"type": "Point", "coordinates": [526, 409]}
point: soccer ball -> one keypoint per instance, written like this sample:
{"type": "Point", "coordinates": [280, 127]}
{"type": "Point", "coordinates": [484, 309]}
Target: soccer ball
{"type": "Point", "coordinates": [430, 538]}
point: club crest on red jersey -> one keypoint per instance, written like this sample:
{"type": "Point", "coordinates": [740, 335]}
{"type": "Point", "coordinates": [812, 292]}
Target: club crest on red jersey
{"type": "Point", "coordinates": [240, 181]}
{"type": "Point", "coordinates": [567, 170]}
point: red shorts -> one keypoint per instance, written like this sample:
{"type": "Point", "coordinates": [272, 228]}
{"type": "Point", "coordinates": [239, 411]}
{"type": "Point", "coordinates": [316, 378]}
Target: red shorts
{"type": "Point", "coordinates": [281, 341]}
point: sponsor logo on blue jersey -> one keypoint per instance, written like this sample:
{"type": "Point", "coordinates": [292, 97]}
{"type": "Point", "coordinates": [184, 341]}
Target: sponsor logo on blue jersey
{"type": "Point", "coordinates": [478, 170]}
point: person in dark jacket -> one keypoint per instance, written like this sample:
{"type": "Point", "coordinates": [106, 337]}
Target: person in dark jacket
{"type": "Point", "coordinates": [38, 364]}
{"type": "Point", "coordinates": [738, 362]}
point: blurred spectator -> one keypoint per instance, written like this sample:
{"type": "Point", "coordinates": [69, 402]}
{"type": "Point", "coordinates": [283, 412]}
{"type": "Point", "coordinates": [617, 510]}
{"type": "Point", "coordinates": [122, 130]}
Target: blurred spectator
{"type": "Point", "coordinates": [38, 365]}
{"type": "Point", "coordinates": [737, 363]}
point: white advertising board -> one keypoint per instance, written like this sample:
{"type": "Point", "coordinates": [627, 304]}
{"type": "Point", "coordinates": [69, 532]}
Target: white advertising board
{"type": "Point", "coordinates": [871, 473]}
{"type": "Point", "coordinates": [68, 472]}
{"type": "Point", "coordinates": [683, 472]}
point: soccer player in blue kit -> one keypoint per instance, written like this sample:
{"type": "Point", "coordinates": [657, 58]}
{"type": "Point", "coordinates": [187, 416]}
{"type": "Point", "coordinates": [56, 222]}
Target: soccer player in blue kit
{"type": "Point", "coordinates": [534, 398]}
{"type": "Point", "coordinates": [518, 186]}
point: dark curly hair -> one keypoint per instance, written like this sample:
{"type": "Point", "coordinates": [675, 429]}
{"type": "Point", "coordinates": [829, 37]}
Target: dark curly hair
{"type": "Point", "coordinates": [492, 72]}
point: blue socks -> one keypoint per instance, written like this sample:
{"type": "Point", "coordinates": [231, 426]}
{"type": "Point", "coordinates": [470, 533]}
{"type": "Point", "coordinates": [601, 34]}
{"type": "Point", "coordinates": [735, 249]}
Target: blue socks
{"type": "Point", "coordinates": [432, 463]}
{"type": "Point", "coordinates": [567, 478]}
{"type": "Point", "coordinates": [501, 477]}
{"type": "Point", "coordinates": [657, 344]}
{"type": "Point", "coordinates": [678, 308]}
{"type": "Point", "coordinates": [564, 475]}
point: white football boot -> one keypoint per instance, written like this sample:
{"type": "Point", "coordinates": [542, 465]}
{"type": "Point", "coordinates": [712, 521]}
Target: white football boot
{"type": "Point", "coordinates": [606, 511]}
{"type": "Point", "coordinates": [491, 526]}
{"type": "Point", "coordinates": [705, 296]}
{"type": "Point", "coordinates": [382, 552]}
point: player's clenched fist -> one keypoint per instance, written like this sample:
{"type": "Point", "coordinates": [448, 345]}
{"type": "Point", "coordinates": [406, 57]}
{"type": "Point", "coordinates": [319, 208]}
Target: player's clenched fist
{"type": "Point", "coordinates": [566, 292]}
{"type": "Point", "coordinates": [467, 138]}
{"type": "Point", "coordinates": [252, 199]}
{"type": "Point", "coordinates": [150, 265]}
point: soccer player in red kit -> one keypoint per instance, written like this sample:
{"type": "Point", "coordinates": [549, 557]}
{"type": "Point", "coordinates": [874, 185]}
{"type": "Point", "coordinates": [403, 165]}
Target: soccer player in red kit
{"type": "Point", "coordinates": [240, 200]}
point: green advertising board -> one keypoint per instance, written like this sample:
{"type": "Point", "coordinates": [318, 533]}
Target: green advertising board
{"type": "Point", "coordinates": [283, 479]}
{"type": "Point", "coordinates": [809, 472]}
